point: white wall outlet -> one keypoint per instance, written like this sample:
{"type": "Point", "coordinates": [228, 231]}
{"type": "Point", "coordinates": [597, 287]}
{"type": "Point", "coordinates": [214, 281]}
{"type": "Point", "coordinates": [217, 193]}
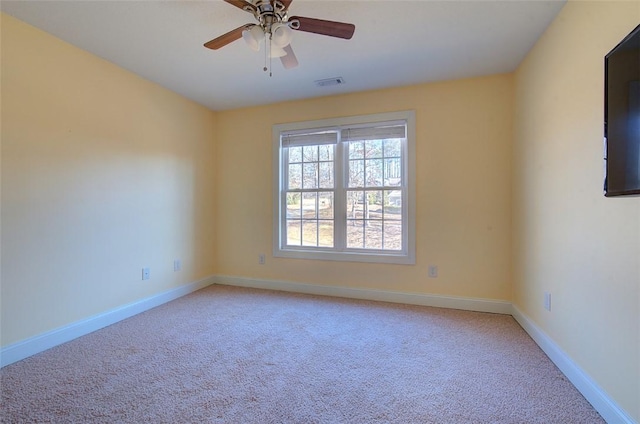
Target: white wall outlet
{"type": "Point", "coordinates": [261, 259]}
{"type": "Point", "coordinates": [547, 301]}
{"type": "Point", "coordinates": [433, 271]}
{"type": "Point", "coordinates": [146, 273]}
{"type": "Point", "coordinates": [177, 265]}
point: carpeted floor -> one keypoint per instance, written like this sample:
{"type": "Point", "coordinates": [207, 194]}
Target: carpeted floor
{"type": "Point", "coordinates": [236, 355]}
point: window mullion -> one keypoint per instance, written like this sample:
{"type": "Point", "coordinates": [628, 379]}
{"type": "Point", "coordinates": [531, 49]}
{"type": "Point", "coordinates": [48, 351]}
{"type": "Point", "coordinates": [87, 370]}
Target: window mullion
{"type": "Point", "coordinates": [340, 197]}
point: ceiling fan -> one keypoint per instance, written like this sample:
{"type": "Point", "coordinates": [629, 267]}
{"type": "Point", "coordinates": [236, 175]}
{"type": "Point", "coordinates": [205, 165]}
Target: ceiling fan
{"type": "Point", "coordinates": [275, 28]}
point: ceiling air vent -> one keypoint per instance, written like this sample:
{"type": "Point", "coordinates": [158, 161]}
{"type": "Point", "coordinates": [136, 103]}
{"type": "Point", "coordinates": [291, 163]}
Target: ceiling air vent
{"type": "Point", "coordinates": [329, 81]}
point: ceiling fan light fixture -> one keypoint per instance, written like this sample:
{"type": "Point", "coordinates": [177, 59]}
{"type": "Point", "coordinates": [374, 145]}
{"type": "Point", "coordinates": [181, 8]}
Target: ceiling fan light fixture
{"type": "Point", "coordinates": [281, 34]}
{"type": "Point", "coordinates": [253, 36]}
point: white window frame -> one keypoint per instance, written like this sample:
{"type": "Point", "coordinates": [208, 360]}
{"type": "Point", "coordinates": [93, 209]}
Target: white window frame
{"type": "Point", "coordinates": [406, 255]}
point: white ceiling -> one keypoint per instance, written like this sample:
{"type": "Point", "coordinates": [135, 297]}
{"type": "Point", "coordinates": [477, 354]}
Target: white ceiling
{"type": "Point", "coordinates": [395, 43]}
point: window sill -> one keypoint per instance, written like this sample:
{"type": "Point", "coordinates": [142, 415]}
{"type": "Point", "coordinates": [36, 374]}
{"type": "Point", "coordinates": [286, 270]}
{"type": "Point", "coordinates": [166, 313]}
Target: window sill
{"type": "Point", "coordinates": [381, 258]}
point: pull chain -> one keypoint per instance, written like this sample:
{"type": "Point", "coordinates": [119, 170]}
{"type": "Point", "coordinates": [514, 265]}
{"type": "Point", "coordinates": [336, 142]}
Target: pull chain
{"type": "Point", "coordinates": [266, 54]}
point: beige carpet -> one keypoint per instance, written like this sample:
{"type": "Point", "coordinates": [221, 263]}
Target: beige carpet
{"type": "Point", "coordinates": [235, 355]}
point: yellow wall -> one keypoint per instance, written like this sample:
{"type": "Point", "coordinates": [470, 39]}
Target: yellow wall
{"type": "Point", "coordinates": [463, 225]}
{"type": "Point", "coordinates": [568, 238]}
{"type": "Point", "coordinates": [102, 173]}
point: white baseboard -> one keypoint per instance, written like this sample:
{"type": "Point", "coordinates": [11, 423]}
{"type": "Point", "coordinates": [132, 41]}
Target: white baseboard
{"type": "Point", "coordinates": [452, 302]}
{"type": "Point", "coordinates": [610, 411]}
{"type": "Point", "coordinates": [42, 342]}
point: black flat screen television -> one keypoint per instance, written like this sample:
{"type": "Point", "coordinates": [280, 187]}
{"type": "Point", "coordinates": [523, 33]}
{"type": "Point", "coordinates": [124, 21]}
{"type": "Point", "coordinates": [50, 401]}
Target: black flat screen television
{"type": "Point", "coordinates": [622, 117]}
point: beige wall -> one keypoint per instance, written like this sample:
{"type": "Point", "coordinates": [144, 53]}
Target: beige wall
{"type": "Point", "coordinates": [463, 226]}
{"type": "Point", "coordinates": [568, 238]}
{"type": "Point", "coordinates": [102, 173]}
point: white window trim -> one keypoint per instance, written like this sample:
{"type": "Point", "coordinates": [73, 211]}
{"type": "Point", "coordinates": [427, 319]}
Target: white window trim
{"type": "Point", "coordinates": [364, 255]}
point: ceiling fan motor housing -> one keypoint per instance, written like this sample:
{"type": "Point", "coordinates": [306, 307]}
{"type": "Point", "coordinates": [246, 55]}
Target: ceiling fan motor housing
{"type": "Point", "coordinates": [269, 13]}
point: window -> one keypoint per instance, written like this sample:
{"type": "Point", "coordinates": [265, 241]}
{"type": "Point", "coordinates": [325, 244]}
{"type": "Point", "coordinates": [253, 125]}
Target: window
{"type": "Point", "coordinates": [344, 189]}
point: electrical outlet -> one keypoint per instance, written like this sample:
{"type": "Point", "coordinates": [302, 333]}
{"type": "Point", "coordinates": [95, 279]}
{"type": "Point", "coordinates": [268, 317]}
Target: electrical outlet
{"type": "Point", "coordinates": [146, 273]}
{"type": "Point", "coordinates": [177, 265]}
{"type": "Point", "coordinates": [261, 259]}
{"type": "Point", "coordinates": [547, 301]}
{"type": "Point", "coordinates": [433, 271]}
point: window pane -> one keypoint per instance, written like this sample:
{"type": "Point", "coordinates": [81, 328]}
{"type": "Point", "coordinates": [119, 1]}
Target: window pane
{"type": "Point", "coordinates": [326, 233]}
{"type": "Point", "coordinates": [355, 201]}
{"type": "Point", "coordinates": [355, 234]}
{"type": "Point", "coordinates": [356, 150]}
{"type": "Point", "coordinates": [356, 173]}
{"type": "Point", "coordinates": [373, 235]}
{"type": "Point", "coordinates": [293, 205]}
{"type": "Point", "coordinates": [309, 233]}
{"type": "Point", "coordinates": [373, 149]}
{"type": "Point", "coordinates": [373, 204]}
{"type": "Point", "coordinates": [392, 172]}
{"type": "Point", "coordinates": [392, 147]}
{"type": "Point", "coordinates": [310, 205]}
{"type": "Point", "coordinates": [310, 179]}
{"type": "Point", "coordinates": [293, 232]}
{"type": "Point", "coordinates": [326, 175]}
{"type": "Point", "coordinates": [373, 173]}
{"type": "Point", "coordinates": [325, 205]}
{"type": "Point", "coordinates": [310, 153]}
{"type": "Point", "coordinates": [326, 152]}
{"type": "Point", "coordinates": [295, 154]}
{"type": "Point", "coordinates": [393, 205]}
{"type": "Point", "coordinates": [392, 235]}
{"type": "Point", "coordinates": [295, 177]}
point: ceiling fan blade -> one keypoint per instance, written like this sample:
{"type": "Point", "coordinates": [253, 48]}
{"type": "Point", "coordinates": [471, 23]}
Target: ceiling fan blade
{"type": "Point", "coordinates": [227, 38]}
{"type": "Point", "coordinates": [320, 26]}
{"type": "Point", "coordinates": [289, 60]}
{"type": "Point", "coordinates": [242, 4]}
{"type": "Point", "coordinates": [286, 3]}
